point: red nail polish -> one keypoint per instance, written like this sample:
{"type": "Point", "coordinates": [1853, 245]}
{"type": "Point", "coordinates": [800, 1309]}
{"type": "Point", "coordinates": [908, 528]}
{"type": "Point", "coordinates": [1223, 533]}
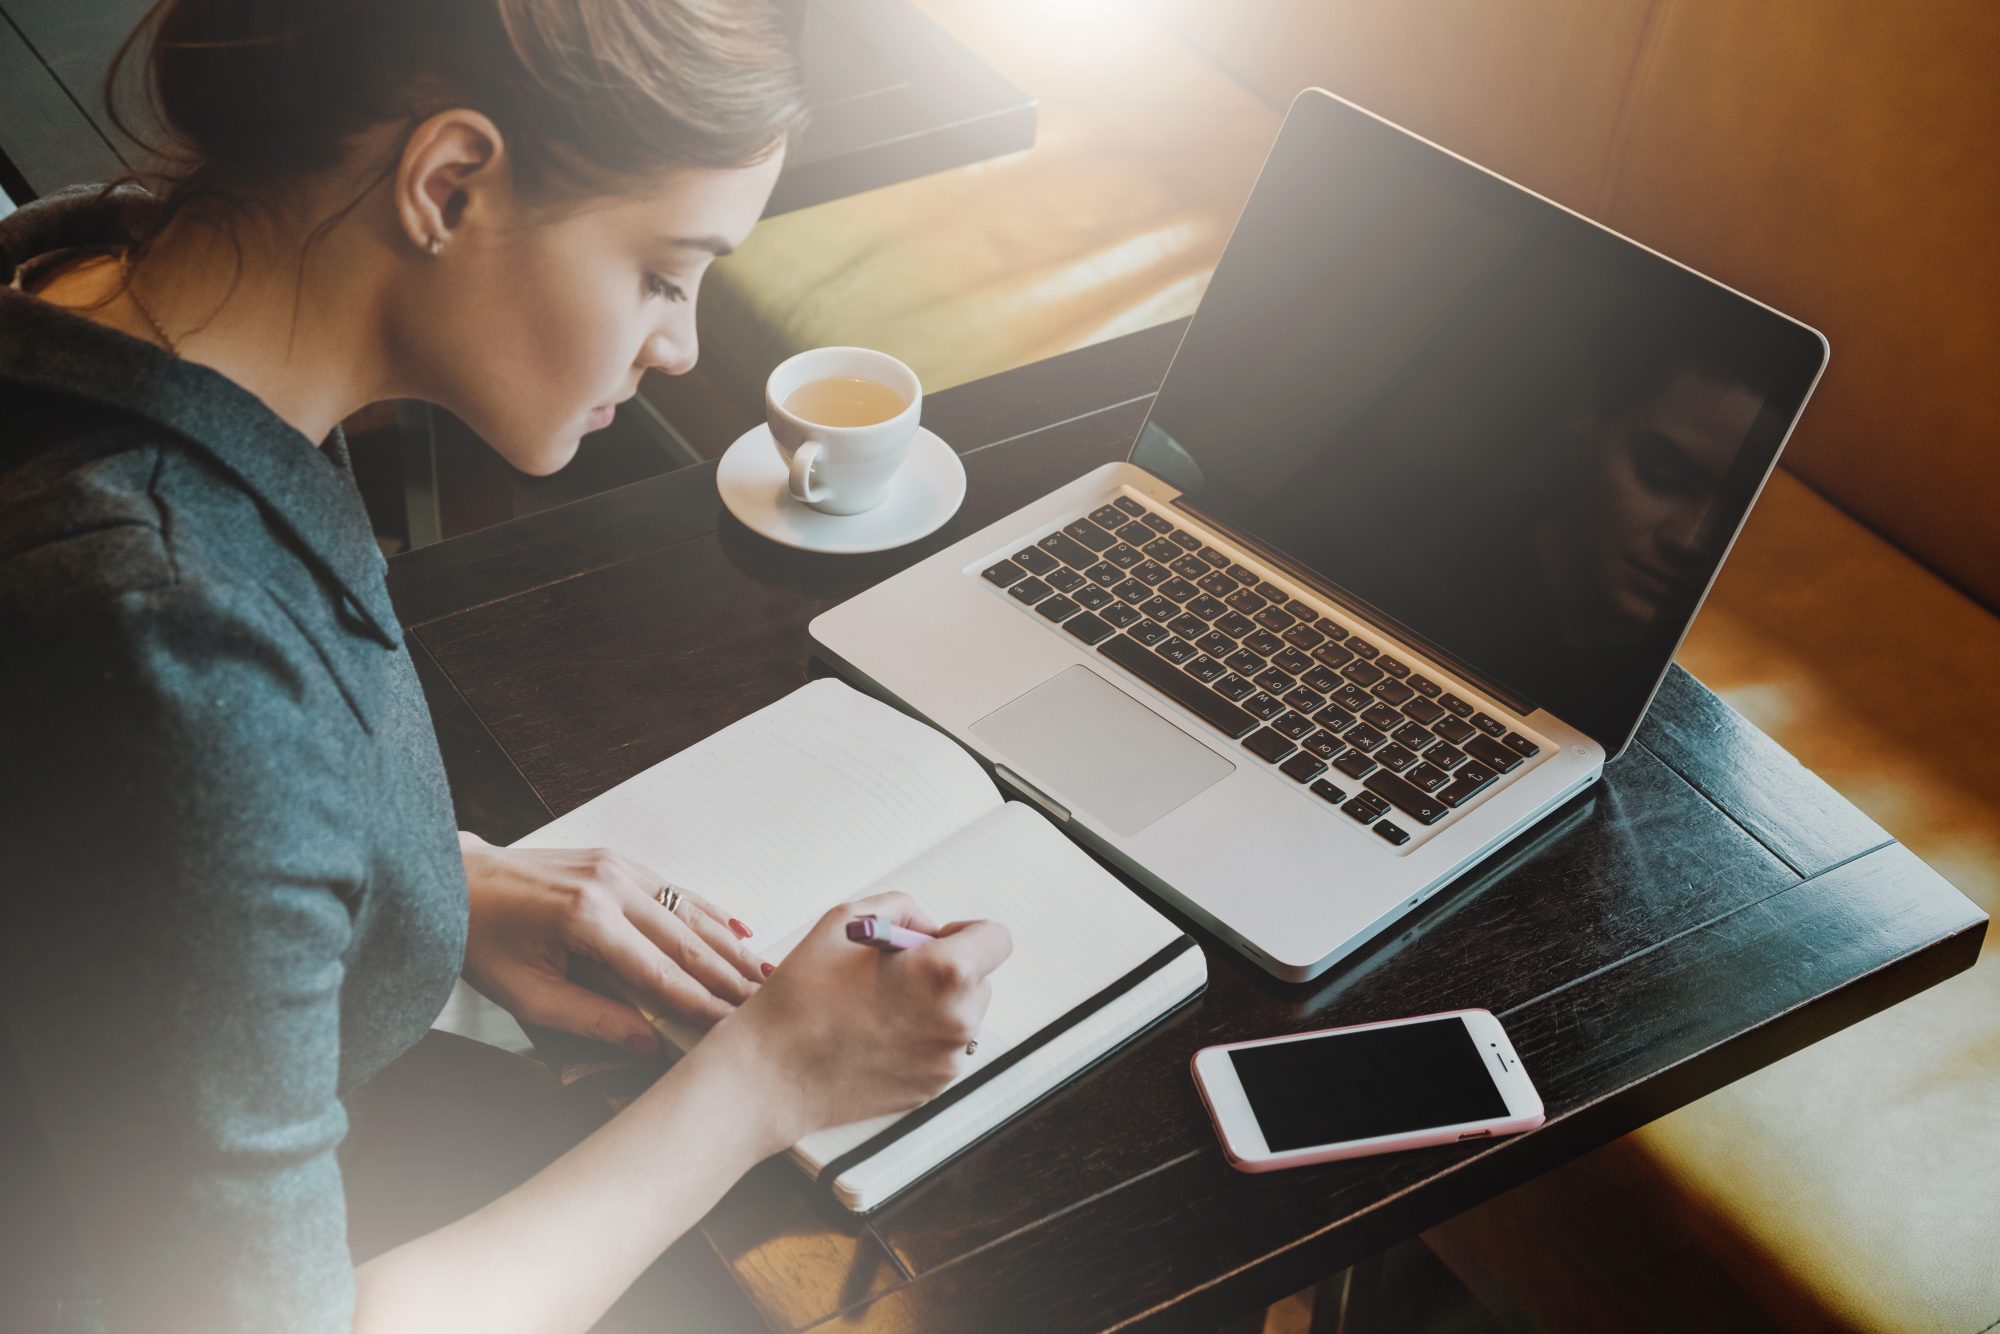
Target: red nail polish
{"type": "Point", "coordinates": [742, 932]}
{"type": "Point", "coordinates": [643, 1044]}
{"type": "Point", "coordinates": [768, 969]}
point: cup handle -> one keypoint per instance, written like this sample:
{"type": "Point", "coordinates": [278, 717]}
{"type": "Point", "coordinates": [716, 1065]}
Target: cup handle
{"type": "Point", "coordinates": [801, 480]}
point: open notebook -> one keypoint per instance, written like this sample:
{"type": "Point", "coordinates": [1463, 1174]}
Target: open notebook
{"type": "Point", "coordinates": [828, 795]}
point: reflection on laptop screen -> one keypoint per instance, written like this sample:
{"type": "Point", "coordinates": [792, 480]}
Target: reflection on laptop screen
{"type": "Point", "coordinates": [1517, 436]}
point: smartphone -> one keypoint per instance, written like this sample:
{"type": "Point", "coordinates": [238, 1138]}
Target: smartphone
{"type": "Point", "coordinates": [1372, 1088]}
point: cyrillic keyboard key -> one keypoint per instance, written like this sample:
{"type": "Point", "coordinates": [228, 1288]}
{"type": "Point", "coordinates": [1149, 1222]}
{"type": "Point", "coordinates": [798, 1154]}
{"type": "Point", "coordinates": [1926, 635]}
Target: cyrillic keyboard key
{"type": "Point", "coordinates": [1204, 669]}
{"type": "Point", "coordinates": [1416, 737]}
{"type": "Point", "coordinates": [1353, 763]}
{"type": "Point", "coordinates": [1092, 597]}
{"type": "Point", "coordinates": [1326, 791]}
{"type": "Point", "coordinates": [1177, 686]}
{"type": "Point", "coordinates": [1454, 730]}
{"type": "Point", "coordinates": [1066, 581]}
{"type": "Point", "coordinates": [1427, 776]}
{"type": "Point", "coordinates": [1456, 705]}
{"type": "Point", "coordinates": [1235, 687]}
{"type": "Point", "coordinates": [1294, 726]}
{"type": "Point", "coordinates": [1334, 718]}
{"type": "Point", "coordinates": [1124, 555]}
{"type": "Point", "coordinates": [1129, 505]}
{"type": "Point", "coordinates": [1119, 614]}
{"type": "Point", "coordinates": [1362, 673]}
{"type": "Point", "coordinates": [1382, 718]}
{"type": "Point", "coordinates": [1393, 756]}
{"type": "Point", "coordinates": [1392, 690]}
{"type": "Point", "coordinates": [1406, 797]}
{"type": "Point", "coordinates": [1490, 725]}
{"type": "Point", "coordinates": [1332, 656]}
{"type": "Point", "coordinates": [1423, 710]}
{"type": "Point", "coordinates": [1263, 706]}
{"type": "Point", "coordinates": [1445, 755]}
{"type": "Point", "coordinates": [1149, 633]}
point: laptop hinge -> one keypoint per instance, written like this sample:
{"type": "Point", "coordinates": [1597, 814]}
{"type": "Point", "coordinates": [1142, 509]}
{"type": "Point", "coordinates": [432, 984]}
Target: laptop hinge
{"type": "Point", "coordinates": [1362, 609]}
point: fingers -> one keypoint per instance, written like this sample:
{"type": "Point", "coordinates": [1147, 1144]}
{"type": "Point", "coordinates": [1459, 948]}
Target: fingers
{"type": "Point", "coordinates": [637, 960]}
{"type": "Point", "coordinates": [713, 927]}
{"type": "Point", "coordinates": [894, 905]}
{"type": "Point", "coordinates": [971, 949]}
{"type": "Point", "coordinates": [554, 1003]}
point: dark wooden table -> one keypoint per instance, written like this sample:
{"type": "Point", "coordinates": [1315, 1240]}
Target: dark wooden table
{"type": "Point", "coordinates": [893, 97]}
{"type": "Point", "coordinates": [1709, 908]}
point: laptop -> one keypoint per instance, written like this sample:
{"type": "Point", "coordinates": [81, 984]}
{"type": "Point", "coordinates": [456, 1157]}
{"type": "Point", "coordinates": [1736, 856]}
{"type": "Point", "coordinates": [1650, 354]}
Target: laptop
{"type": "Point", "coordinates": [1436, 482]}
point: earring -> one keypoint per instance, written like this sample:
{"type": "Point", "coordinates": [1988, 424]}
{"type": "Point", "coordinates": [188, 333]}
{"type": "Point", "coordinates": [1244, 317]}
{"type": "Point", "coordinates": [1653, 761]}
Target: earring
{"type": "Point", "coordinates": [437, 245]}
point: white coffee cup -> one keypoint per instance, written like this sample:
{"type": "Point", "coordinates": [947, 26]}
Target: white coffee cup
{"type": "Point", "coordinates": [842, 469]}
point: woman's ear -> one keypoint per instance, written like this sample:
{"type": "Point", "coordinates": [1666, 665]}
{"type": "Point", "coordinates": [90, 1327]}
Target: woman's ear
{"type": "Point", "coordinates": [454, 167]}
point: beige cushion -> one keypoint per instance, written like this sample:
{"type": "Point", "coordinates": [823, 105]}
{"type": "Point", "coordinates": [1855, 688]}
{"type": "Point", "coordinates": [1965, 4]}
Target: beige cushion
{"type": "Point", "coordinates": [1110, 223]}
{"type": "Point", "coordinates": [1856, 1183]}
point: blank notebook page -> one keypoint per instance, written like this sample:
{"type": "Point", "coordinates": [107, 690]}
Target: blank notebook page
{"type": "Point", "coordinates": [790, 810]}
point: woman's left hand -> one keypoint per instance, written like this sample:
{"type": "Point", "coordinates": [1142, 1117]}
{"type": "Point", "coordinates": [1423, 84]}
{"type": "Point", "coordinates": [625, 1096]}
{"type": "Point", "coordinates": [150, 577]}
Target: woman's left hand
{"type": "Point", "coordinates": [532, 909]}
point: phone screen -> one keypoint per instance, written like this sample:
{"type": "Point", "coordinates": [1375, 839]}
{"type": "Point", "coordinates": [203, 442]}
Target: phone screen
{"type": "Point", "coordinates": [1381, 1081]}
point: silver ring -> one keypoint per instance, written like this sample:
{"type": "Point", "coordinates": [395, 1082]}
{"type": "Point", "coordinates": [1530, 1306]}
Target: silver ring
{"type": "Point", "coordinates": [668, 898]}
{"type": "Point", "coordinates": [972, 1046]}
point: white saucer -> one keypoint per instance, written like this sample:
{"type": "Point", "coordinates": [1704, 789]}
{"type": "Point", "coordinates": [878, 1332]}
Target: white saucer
{"type": "Point", "coordinates": [926, 492]}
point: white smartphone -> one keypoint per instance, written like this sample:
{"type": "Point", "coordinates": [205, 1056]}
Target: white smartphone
{"type": "Point", "coordinates": [1372, 1088]}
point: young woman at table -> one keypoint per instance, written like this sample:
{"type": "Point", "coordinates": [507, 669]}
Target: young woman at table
{"type": "Point", "coordinates": [232, 889]}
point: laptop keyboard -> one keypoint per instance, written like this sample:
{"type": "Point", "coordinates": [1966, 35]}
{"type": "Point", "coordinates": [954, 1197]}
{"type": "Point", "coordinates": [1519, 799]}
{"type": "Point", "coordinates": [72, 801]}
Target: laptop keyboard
{"type": "Point", "coordinates": [1354, 726]}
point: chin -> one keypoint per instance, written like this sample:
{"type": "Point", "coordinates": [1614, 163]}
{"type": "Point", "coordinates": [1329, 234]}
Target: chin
{"type": "Point", "coordinates": [544, 456]}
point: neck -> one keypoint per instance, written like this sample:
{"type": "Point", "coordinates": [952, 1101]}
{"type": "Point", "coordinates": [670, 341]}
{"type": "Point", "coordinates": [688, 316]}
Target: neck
{"type": "Point", "coordinates": [303, 335]}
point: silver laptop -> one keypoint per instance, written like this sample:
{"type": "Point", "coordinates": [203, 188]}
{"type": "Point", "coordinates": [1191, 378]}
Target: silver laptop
{"type": "Point", "coordinates": [1436, 482]}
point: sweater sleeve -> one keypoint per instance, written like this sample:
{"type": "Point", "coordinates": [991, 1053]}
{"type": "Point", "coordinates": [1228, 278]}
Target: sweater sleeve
{"type": "Point", "coordinates": [178, 900]}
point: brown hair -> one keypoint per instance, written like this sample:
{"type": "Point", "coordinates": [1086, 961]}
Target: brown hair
{"type": "Point", "coordinates": [593, 96]}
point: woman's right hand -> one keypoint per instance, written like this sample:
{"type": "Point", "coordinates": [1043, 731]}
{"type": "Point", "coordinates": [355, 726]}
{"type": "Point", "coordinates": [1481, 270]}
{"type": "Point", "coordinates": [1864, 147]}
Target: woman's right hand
{"type": "Point", "coordinates": [841, 1032]}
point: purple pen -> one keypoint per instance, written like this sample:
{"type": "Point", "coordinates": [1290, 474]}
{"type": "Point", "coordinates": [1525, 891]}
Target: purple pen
{"type": "Point", "coordinates": [882, 934]}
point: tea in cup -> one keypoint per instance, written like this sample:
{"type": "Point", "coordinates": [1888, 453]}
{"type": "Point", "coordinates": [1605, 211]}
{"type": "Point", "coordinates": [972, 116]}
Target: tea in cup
{"type": "Point", "coordinates": [843, 418]}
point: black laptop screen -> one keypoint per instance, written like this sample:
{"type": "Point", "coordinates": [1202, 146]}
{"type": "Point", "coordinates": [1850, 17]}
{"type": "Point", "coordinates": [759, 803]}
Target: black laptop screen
{"type": "Point", "coordinates": [1513, 436]}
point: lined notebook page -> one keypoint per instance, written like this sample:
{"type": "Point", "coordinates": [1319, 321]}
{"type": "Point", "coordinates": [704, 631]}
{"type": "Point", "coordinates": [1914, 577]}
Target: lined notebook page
{"type": "Point", "coordinates": [1076, 929]}
{"type": "Point", "coordinates": [782, 814]}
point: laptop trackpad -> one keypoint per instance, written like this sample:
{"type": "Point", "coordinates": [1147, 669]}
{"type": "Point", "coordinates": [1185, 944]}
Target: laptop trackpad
{"type": "Point", "coordinates": [1102, 751]}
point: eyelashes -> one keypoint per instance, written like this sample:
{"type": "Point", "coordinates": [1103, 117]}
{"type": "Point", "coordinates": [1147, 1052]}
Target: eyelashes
{"type": "Point", "coordinates": [656, 286]}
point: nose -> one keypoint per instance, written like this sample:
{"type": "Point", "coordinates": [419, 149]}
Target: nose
{"type": "Point", "coordinates": [670, 354]}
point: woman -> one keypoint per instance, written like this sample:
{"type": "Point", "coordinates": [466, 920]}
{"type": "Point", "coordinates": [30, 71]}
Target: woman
{"type": "Point", "coordinates": [233, 894]}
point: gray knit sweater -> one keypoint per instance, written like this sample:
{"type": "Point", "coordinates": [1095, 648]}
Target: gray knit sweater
{"type": "Point", "coordinates": [229, 885]}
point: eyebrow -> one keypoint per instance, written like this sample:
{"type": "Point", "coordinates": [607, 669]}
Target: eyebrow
{"type": "Point", "coordinates": [714, 245]}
